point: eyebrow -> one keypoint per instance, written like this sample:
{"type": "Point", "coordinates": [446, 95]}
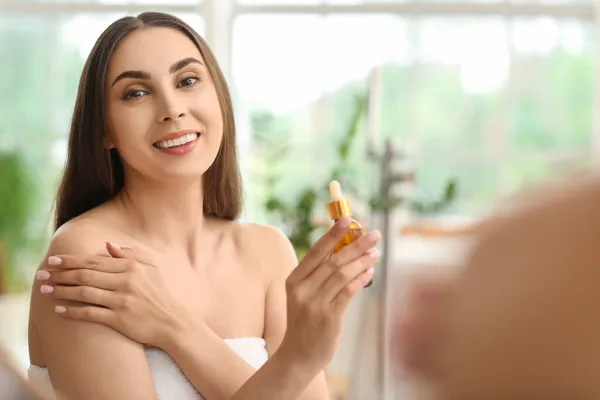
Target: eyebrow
{"type": "Point", "coordinates": [145, 75]}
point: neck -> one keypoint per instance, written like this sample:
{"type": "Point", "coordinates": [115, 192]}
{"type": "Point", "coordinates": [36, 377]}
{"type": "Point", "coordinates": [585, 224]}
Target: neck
{"type": "Point", "coordinates": [167, 213]}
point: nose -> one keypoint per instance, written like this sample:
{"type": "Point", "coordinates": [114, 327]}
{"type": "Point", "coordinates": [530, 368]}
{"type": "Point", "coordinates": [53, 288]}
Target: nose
{"type": "Point", "coordinates": [171, 115]}
{"type": "Point", "coordinates": [170, 110]}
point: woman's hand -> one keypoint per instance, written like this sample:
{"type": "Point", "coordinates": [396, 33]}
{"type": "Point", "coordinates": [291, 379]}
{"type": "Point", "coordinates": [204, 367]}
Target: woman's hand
{"type": "Point", "coordinates": [128, 295]}
{"type": "Point", "coordinates": [319, 291]}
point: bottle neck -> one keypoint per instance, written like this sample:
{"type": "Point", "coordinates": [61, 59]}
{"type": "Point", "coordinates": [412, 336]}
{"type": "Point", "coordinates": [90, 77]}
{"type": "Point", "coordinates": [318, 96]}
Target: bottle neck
{"type": "Point", "coordinates": [339, 209]}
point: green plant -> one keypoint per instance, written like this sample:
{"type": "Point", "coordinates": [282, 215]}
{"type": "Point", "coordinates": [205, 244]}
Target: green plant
{"type": "Point", "coordinates": [17, 193]}
{"type": "Point", "coordinates": [298, 214]}
{"type": "Point", "coordinates": [379, 203]}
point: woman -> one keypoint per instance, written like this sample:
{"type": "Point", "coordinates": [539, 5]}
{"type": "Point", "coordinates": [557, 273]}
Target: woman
{"type": "Point", "coordinates": [152, 169]}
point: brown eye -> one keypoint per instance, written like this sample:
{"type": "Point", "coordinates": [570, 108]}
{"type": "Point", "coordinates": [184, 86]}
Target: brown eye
{"type": "Point", "coordinates": [189, 81]}
{"type": "Point", "coordinates": [134, 93]}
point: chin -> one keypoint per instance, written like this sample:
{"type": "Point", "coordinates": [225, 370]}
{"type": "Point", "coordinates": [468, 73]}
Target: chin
{"type": "Point", "coordinates": [179, 174]}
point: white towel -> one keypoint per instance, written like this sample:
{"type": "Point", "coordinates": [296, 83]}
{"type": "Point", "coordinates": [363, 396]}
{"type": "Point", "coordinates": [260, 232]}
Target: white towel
{"type": "Point", "coordinates": [169, 381]}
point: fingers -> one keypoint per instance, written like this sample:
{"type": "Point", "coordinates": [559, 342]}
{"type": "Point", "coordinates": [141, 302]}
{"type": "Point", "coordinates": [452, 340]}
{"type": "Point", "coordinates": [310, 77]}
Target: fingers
{"type": "Point", "coordinates": [356, 249]}
{"type": "Point", "coordinates": [340, 302]}
{"type": "Point", "coordinates": [83, 294]}
{"type": "Point", "coordinates": [117, 251]}
{"type": "Point", "coordinates": [99, 315]}
{"type": "Point", "coordinates": [98, 263]}
{"type": "Point", "coordinates": [344, 257]}
{"type": "Point", "coordinates": [80, 277]}
{"type": "Point", "coordinates": [321, 249]}
{"type": "Point", "coordinates": [343, 278]}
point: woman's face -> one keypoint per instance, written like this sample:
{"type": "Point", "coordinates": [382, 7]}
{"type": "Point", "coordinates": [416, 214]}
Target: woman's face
{"type": "Point", "coordinates": [163, 112]}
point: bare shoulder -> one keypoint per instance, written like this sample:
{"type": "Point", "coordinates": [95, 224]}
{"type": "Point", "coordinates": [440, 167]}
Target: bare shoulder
{"type": "Point", "coordinates": [265, 236]}
{"type": "Point", "coordinates": [84, 236]}
{"type": "Point", "coordinates": [87, 233]}
{"type": "Point", "coordinates": [270, 244]}
{"type": "Point", "coordinates": [74, 351]}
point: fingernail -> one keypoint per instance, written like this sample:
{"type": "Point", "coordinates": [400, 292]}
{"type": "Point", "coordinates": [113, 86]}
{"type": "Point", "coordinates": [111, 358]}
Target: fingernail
{"type": "Point", "coordinates": [113, 244]}
{"type": "Point", "coordinates": [374, 253]}
{"type": "Point", "coordinates": [374, 235]}
{"type": "Point", "coordinates": [53, 260]}
{"type": "Point", "coordinates": [344, 222]}
{"type": "Point", "coordinates": [370, 271]}
{"type": "Point", "coordinates": [60, 309]}
{"type": "Point", "coordinates": [42, 275]}
{"type": "Point", "coordinates": [46, 289]}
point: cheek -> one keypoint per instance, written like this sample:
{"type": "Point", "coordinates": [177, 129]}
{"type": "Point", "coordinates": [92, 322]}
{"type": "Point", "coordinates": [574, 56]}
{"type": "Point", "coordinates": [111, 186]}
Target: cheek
{"type": "Point", "coordinates": [127, 128]}
{"type": "Point", "coordinates": [211, 114]}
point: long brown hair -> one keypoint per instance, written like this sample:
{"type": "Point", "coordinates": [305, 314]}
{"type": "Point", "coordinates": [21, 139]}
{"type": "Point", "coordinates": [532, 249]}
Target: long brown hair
{"type": "Point", "coordinates": [94, 174]}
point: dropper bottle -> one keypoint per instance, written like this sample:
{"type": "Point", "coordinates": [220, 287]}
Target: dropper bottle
{"type": "Point", "coordinates": [340, 207]}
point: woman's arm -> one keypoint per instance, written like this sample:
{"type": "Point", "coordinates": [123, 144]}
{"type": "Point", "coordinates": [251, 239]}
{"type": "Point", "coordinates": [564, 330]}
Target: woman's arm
{"type": "Point", "coordinates": [281, 266]}
{"type": "Point", "coordinates": [87, 360]}
{"type": "Point", "coordinates": [210, 364]}
{"type": "Point", "coordinates": [220, 374]}
{"type": "Point", "coordinates": [317, 294]}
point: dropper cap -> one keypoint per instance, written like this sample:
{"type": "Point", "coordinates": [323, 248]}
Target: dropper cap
{"type": "Point", "coordinates": [339, 206]}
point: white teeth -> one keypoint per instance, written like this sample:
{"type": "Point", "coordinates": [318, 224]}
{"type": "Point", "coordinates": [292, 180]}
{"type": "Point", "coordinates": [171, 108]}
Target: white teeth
{"type": "Point", "coordinates": [180, 141]}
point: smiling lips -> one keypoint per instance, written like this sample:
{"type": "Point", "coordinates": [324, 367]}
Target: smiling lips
{"type": "Point", "coordinates": [178, 143]}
